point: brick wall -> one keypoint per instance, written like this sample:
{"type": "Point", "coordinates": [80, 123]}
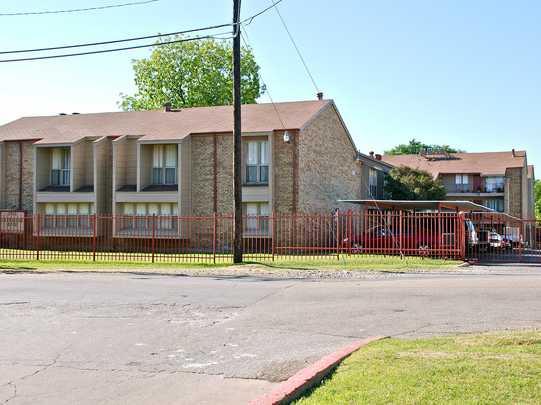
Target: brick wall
{"type": "Point", "coordinates": [224, 174]}
{"type": "Point", "coordinates": [283, 173]}
{"type": "Point", "coordinates": [202, 174]}
{"type": "Point", "coordinates": [328, 170]}
{"type": "Point", "coordinates": [12, 167]}
{"type": "Point", "coordinates": [513, 192]}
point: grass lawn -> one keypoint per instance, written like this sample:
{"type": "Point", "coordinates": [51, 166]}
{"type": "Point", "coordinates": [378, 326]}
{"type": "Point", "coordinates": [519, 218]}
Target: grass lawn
{"type": "Point", "coordinates": [165, 262]}
{"type": "Point", "coordinates": [490, 368]}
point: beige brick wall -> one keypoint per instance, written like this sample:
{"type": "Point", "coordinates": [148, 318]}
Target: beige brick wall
{"type": "Point", "coordinates": [283, 173]}
{"type": "Point", "coordinates": [513, 192]}
{"type": "Point", "coordinates": [12, 166]}
{"type": "Point", "coordinates": [328, 170]}
{"type": "Point", "coordinates": [224, 174]}
{"type": "Point", "coordinates": [202, 174]}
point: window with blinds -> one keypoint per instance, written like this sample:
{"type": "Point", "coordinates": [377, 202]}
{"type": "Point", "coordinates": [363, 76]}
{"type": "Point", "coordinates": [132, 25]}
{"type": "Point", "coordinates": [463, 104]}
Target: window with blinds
{"type": "Point", "coordinates": [164, 164]}
{"type": "Point", "coordinates": [257, 162]}
{"type": "Point", "coordinates": [60, 167]}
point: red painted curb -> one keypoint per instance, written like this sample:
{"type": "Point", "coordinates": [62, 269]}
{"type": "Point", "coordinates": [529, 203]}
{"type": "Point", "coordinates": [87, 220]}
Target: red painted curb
{"type": "Point", "coordinates": [309, 376]}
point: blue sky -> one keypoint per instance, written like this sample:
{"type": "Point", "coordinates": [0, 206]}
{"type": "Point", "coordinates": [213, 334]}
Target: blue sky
{"type": "Point", "coordinates": [464, 73]}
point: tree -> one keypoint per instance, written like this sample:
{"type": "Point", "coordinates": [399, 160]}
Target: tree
{"type": "Point", "coordinates": [537, 191]}
{"type": "Point", "coordinates": [406, 183]}
{"type": "Point", "coordinates": [415, 147]}
{"type": "Point", "coordinates": [191, 74]}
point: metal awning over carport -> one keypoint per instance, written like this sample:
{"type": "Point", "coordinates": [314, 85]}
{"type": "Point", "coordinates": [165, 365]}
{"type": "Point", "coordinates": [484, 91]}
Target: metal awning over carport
{"type": "Point", "coordinates": [459, 206]}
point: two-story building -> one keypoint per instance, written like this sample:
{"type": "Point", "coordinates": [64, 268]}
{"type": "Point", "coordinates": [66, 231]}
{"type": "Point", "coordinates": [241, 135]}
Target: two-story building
{"type": "Point", "coordinates": [297, 157]}
{"type": "Point", "coordinates": [497, 180]}
{"type": "Point", "coordinates": [373, 172]}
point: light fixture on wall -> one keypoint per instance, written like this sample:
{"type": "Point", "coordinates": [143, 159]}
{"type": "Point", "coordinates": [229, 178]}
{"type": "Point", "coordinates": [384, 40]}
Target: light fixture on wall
{"type": "Point", "coordinates": [287, 137]}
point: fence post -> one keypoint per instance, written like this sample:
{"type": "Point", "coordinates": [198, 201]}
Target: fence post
{"type": "Point", "coordinates": [350, 233]}
{"type": "Point", "coordinates": [273, 222]}
{"type": "Point", "coordinates": [94, 228]}
{"type": "Point", "coordinates": [400, 237]}
{"type": "Point", "coordinates": [214, 239]}
{"type": "Point", "coordinates": [153, 235]}
{"type": "Point", "coordinates": [337, 234]}
{"type": "Point", "coordinates": [37, 237]}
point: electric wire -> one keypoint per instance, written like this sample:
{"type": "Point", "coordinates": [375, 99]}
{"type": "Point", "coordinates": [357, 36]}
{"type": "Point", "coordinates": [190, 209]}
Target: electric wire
{"type": "Point", "coordinates": [77, 10]}
{"type": "Point", "coordinates": [275, 5]}
{"type": "Point", "coordinates": [91, 44]}
{"type": "Point", "coordinates": [245, 38]}
{"type": "Point", "coordinates": [100, 51]}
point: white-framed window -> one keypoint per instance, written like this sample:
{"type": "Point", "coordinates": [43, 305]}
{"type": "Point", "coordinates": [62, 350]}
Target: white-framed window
{"type": "Point", "coordinates": [71, 216]}
{"type": "Point", "coordinates": [60, 167]}
{"type": "Point", "coordinates": [164, 164]}
{"type": "Point", "coordinates": [373, 182]}
{"type": "Point", "coordinates": [495, 203]}
{"type": "Point", "coordinates": [462, 179]}
{"type": "Point", "coordinates": [494, 184]}
{"type": "Point", "coordinates": [257, 162]}
{"type": "Point", "coordinates": [141, 215]}
{"type": "Point", "coordinates": [256, 219]}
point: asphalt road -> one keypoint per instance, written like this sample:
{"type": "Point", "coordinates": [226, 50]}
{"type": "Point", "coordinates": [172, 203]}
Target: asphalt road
{"type": "Point", "coordinates": [138, 339]}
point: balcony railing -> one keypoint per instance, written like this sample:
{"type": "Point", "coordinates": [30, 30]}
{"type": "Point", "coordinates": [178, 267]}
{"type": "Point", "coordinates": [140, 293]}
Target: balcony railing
{"type": "Point", "coordinates": [469, 188]}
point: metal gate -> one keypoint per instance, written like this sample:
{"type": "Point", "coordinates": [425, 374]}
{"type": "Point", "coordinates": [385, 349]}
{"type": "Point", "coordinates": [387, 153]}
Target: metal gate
{"type": "Point", "coordinates": [498, 237]}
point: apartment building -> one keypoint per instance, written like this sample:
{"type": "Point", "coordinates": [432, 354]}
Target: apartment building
{"type": "Point", "coordinates": [498, 180]}
{"type": "Point", "coordinates": [297, 157]}
{"type": "Point", "coordinates": [373, 172]}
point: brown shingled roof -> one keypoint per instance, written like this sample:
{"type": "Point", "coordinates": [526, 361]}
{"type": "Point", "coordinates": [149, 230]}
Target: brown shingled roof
{"type": "Point", "coordinates": [484, 163]}
{"type": "Point", "coordinates": [160, 125]}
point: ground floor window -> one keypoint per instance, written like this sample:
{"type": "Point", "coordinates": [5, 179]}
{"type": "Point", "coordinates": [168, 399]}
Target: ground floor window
{"type": "Point", "coordinates": [142, 215]}
{"type": "Point", "coordinates": [256, 222]}
{"type": "Point", "coordinates": [68, 215]}
{"type": "Point", "coordinates": [495, 203]}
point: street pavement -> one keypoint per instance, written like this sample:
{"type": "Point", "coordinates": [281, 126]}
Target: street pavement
{"type": "Point", "coordinates": [92, 338]}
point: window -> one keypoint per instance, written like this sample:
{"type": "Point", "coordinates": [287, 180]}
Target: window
{"type": "Point", "coordinates": [164, 164]}
{"type": "Point", "coordinates": [494, 184]}
{"type": "Point", "coordinates": [257, 162]}
{"type": "Point", "coordinates": [70, 216]}
{"type": "Point", "coordinates": [495, 203]}
{"type": "Point", "coordinates": [257, 219]}
{"type": "Point", "coordinates": [373, 182]}
{"type": "Point", "coordinates": [461, 179]}
{"type": "Point", "coordinates": [140, 216]}
{"type": "Point", "coordinates": [60, 167]}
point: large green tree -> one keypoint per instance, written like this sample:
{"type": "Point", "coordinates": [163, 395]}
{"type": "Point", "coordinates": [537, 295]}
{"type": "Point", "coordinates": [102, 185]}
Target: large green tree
{"type": "Point", "coordinates": [537, 191]}
{"type": "Point", "coordinates": [414, 147]}
{"type": "Point", "coordinates": [406, 183]}
{"type": "Point", "coordinates": [191, 74]}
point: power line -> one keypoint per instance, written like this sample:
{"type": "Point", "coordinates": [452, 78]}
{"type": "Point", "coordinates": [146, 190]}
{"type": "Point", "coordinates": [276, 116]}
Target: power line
{"type": "Point", "coordinates": [249, 20]}
{"type": "Point", "coordinates": [113, 49]}
{"type": "Point", "coordinates": [77, 10]}
{"type": "Point", "coordinates": [246, 39]}
{"type": "Point", "coordinates": [116, 41]}
{"type": "Point", "coordinates": [274, 4]}
{"type": "Point", "coordinates": [53, 48]}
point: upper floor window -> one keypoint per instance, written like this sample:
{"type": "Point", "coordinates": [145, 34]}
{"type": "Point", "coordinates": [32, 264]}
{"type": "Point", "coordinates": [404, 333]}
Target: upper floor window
{"type": "Point", "coordinates": [60, 167]}
{"type": "Point", "coordinates": [494, 184]}
{"type": "Point", "coordinates": [257, 162]}
{"type": "Point", "coordinates": [164, 164]}
{"type": "Point", "coordinates": [373, 182]}
{"type": "Point", "coordinates": [462, 179]}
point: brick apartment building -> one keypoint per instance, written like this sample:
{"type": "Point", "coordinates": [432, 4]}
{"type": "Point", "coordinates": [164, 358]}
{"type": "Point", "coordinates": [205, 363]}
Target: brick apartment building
{"type": "Point", "coordinates": [297, 157]}
{"type": "Point", "coordinates": [502, 181]}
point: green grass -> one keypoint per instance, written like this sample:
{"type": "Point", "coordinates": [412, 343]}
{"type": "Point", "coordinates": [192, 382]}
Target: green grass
{"type": "Point", "coordinates": [364, 263]}
{"type": "Point", "coordinates": [491, 368]}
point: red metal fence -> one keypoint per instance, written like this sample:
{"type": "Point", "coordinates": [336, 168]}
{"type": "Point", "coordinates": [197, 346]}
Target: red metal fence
{"type": "Point", "coordinates": [502, 238]}
{"type": "Point", "coordinates": [210, 238]}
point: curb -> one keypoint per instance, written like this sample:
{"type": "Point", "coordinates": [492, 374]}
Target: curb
{"type": "Point", "coordinates": [308, 377]}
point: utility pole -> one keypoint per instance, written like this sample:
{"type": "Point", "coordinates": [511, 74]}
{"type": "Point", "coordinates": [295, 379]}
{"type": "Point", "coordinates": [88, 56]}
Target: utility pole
{"type": "Point", "coordinates": [237, 145]}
